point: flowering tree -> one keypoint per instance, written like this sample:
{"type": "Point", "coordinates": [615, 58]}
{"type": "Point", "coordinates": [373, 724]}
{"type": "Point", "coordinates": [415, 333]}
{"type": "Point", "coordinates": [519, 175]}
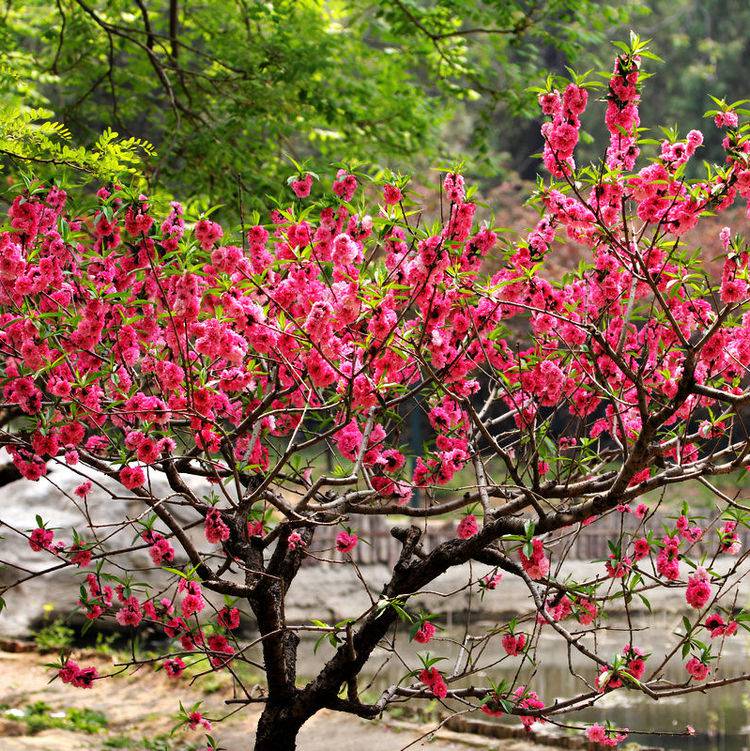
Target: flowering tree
{"type": "Point", "coordinates": [134, 347]}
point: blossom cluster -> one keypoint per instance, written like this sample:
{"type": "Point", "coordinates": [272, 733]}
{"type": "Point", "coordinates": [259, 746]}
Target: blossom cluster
{"type": "Point", "coordinates": [138, 341]}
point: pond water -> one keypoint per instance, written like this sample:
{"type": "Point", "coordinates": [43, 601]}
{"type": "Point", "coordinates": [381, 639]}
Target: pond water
{"type": "Point", "coordinates": [721, 717]}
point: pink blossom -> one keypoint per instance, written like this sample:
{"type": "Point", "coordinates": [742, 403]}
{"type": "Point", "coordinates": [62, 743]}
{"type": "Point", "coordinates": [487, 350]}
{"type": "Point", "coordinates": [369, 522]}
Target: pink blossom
{"type": "Point", "coordinates": [467, 527]}
{"type": "Point", "coordinates": [453, 185]}
{"type": "Point", "coordinates": [229, 618]}
{"type": "Point", "coordinates": [668, 560]}
{"type": "Point", "coordinates": [345, 185]}
{"type": "Point", "coordinates": [80, 554]}
{"type": "Point", "coordinates": [68, 671]}
{"type": "Point", "coordinates": [174, 667]}
{"type": "Point", "coordinates": [636, 662]}
{"type": "Point", "coordinates": [83, 489]}
{"type": "Point", "coordinates": [729, 539]}
{"type": "Point", "coordinates": [301, 187]}
{"type": "Point", "coordinates": [698, 670]}
{"type": "Point", "coordinates": [207, 233]}
{"type": "Point", "coordinates": [514, 644]}
{"type": "Point", "coordinates": [41, 539]}
{"type": "Point", "coordinates": [219, 644]}
{"type": "Point", "coordinates": [391, 195]}
{"type": "Point", "coordinates": [537, 565]}
{"type": "Point", "coordinates": [424, 633]}
{"type": "Point", "coordinates": [215, 528]}
{"type": "Point", "coordinates": [346, 542]}
{"type": "Point", "coordinates": [490, 581]}
{"type": "Point", "coordinates": [132, 477]}
{"type": "Point", "coordinates": [196, 720]}
{"type": "Point", "coordinates": [726, 119]}
{"type": "Point", "coordinates": [641, 548]}
{"type": "Point", "coordinates": [492, 706]}
{"type": "Point", "coordinates": [160, 550]}
{"type": "Point", "coordinates": [719, 627]}
{"type": "Point", "coordinates": [597, 733]}
{"type": "Point", "coordinates": [617, 567]}
{"type": "Point", "coordinates": [435, 682]}
{"type": "Point", "coordinates": [641, 510]}
{"type": "Point", "coordinates": [587, 612]}
{"type": "Point", "coordinates": [294, 541]}
{"type": "Point", "coordinates": [528, 700]}
{"type": "Point", "coordinates": [349, 440]}
{"type": "Point", "coordinates": [698, 591]}
{"type": "Point", "coordinates": [130, 613]}
{"type": "Point", "coordinates": [76, 676]}
{"type": "Point", "coordinates": [192, 604]}
{"type": "Point", "coordinates": [193, 601]}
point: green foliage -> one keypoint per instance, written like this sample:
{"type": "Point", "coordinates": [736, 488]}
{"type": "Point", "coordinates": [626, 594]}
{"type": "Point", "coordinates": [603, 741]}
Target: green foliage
{"type": "Point", "coordinates": [226, 90]}
{"type": "Point", "coordinates": [30, 136]}
{"type": "Point", "coordinates": [54, 637]}
{"type": "Point", "coordinates": [481, 56]}
{"type": "Point", "coordinates": [40, 716]}
{"type": "Point", "coordinates": [162, 742]}
{"type": "Point", "coordinates": [701, 54]}
{"type": "Point", "coordinates": [232, 94]}
{"type": "Point", "coordinates": [105, 644]}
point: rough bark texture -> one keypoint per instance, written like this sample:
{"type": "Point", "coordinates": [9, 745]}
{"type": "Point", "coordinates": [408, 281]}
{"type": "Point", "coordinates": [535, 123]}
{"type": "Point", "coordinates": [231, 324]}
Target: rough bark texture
{"type": "Point", "coordinates": [286, 710]}
{"type": "Point", "coordinates": [277, 729]}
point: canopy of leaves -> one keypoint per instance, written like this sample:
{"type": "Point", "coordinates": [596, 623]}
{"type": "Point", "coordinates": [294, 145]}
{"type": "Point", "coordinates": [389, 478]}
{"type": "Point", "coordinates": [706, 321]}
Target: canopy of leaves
{"type": "Point", "coordinates": [225, 89]}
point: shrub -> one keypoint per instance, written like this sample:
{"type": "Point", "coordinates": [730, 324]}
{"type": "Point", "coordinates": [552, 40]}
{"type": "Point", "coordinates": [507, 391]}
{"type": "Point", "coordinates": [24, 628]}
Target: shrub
{"type": "Point", "coordinates": [54, 637]}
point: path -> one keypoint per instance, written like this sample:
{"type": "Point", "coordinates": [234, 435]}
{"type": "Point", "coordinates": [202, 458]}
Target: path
{"type": "Point", "coordinates": [146, 706]}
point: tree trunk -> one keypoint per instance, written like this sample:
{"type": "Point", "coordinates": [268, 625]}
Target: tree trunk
{"type": "Point", "coordinates": [277, 729]}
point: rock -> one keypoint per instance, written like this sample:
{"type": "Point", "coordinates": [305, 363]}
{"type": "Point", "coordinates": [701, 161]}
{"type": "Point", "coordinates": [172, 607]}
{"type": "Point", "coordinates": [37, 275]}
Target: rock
{"type": "Point", "coordinates": [16, 646]}
{"type": "Point", "coordinates": [107, 507]}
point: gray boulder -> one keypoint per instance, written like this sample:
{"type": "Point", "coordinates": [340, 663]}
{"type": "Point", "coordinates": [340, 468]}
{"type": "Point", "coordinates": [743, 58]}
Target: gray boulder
{"type": "Point", "coordinates": [103, 516]}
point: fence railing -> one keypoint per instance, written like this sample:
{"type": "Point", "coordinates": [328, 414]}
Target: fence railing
{"type": "Point", "coordinates": [377, 546]}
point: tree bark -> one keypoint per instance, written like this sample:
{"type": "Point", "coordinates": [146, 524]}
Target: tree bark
{"type": "Point", "coordinates": [287, 708]}
{"type": "Point", "coordinates": [277, 729]}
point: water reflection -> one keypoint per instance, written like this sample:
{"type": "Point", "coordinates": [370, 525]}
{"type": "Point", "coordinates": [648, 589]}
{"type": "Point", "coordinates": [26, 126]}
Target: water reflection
{"type": "Point", "coordinates": [720, 717]}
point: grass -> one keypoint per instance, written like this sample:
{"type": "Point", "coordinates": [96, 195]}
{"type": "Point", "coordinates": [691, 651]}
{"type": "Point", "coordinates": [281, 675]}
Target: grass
{"type": "Point", "coordinates": [157, 743]}
{"type": "Point", "coordinates": [41, 716]}
{"type": "Point", "coordinates": [54, 637]}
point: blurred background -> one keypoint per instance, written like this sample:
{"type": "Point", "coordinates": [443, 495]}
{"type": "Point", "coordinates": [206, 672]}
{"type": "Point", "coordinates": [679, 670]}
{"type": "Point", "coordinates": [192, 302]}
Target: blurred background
{"type": "Point", "coordinates": [226, 90]}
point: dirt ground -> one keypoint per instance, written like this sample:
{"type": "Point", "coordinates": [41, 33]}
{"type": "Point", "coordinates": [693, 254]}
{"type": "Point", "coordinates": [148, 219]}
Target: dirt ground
{"type": "Point", "coordinates": [140, 711]}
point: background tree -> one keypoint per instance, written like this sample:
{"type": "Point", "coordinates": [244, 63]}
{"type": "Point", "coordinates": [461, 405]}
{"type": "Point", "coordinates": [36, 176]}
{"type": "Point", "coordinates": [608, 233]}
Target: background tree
{"type": "Point", "coordinates": [229, 88]}
{"type": "Point", "coordinates": [393, 82]}
{"type": "Point", "coordinates": [708, 56]}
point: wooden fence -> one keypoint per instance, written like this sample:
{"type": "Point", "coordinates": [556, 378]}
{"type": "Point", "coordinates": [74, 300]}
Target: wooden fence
{"type": "Point", "coordinates": [377, 546]}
